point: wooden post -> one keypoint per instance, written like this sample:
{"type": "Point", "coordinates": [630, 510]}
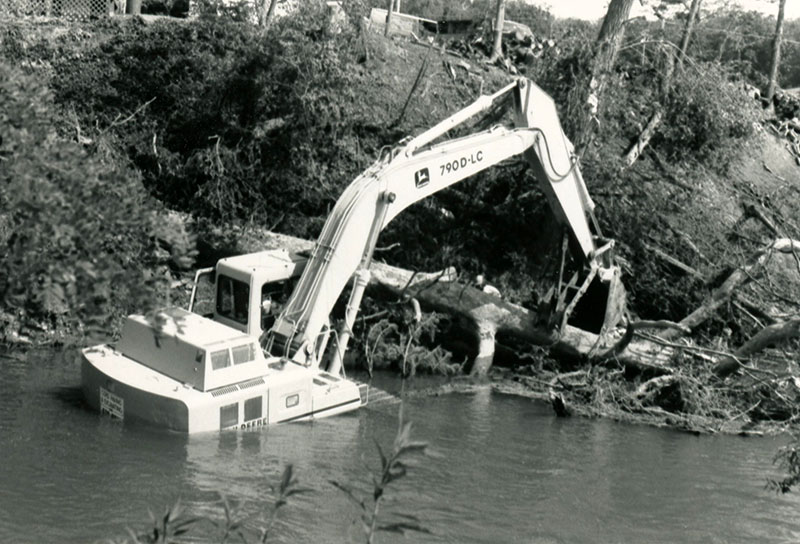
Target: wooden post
{"type": "Point", "coordinates": [265, 14]}
{"type": "Point", "coordinates": [133, 7]}
{"type": "Point", "coordinates": [486, 346]}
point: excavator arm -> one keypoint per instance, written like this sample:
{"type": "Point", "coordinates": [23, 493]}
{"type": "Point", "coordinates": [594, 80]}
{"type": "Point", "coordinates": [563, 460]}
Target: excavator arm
{"type": "Point", "coordinates": [411, 173]}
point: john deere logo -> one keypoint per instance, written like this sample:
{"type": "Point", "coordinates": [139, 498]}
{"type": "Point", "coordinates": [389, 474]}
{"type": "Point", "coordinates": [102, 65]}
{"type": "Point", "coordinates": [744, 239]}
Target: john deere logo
{"type": "Point", "coordinates": [422, 178]}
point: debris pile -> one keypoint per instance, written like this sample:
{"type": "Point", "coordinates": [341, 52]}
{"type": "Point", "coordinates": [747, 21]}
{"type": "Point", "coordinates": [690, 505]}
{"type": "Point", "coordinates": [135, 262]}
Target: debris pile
{"type": "Point", "coordinates": [787, 121]}
{"type": "Point", "coordinates": [520, 46]}
{"type": "Point", "coordinates": [789, 129]}
{"type": "Point", "coordinates": [787, 103]}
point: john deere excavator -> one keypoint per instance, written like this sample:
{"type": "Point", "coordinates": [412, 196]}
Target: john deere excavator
{"type": "Point", "coordinates": [195, 373]}
{"type": "Point", "coordinates": [418, 168]}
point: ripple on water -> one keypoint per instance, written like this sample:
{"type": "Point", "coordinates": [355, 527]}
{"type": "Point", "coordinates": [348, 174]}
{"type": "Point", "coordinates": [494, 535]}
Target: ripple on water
{"type": "Point", "coordinates": [501, 469]}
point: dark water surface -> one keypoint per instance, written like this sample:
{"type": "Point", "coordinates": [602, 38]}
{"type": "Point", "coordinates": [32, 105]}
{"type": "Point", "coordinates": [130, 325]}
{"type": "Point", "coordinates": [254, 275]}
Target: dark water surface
{"type": "Point", "coordinates": [501, 469]}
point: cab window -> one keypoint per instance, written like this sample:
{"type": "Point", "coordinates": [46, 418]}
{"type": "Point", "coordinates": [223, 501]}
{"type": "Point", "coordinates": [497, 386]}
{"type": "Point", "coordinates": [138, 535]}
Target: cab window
{"type": "Point", "coordinates": [243, 354]}
{"type": "Point", "coordinates": [232, 298]}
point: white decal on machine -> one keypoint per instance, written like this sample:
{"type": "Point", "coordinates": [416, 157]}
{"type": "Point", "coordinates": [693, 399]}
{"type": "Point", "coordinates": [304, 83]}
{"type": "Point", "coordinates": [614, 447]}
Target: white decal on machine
{"type": "Point", "coordinates": [458, 164]}
{"type": "Point", "coordinates": [111, 404]}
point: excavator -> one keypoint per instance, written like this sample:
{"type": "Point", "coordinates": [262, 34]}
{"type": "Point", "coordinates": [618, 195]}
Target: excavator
{"type": "Point", "coordinates": [242, 366]}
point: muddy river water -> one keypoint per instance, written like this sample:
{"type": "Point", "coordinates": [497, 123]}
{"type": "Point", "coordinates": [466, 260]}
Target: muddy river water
{"type": "Point", "coordinates": [499, 469]}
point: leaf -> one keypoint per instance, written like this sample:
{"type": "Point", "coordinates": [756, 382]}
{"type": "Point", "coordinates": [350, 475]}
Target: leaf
{"type": "Point", "coordinates": [347, 491]}
{"type": "Point", "coordinates": [403, 435]}
{"type": "Point", "coordinates": [412, 447]}
{"type": "Point", "coordinates": [401, 527]}
{"type": "Point", "coordinates": [175, 512]}
{"type": "Point", "coordinates": [185, 523]}
{"type": "Point", "coordinates": [384, 462]}
{"type": "Point", "coordinates": [298, 490]}
{"type": "Point", "coordinates": [396, 472]}
{"type": "Point", "coordinates": [286, 479]}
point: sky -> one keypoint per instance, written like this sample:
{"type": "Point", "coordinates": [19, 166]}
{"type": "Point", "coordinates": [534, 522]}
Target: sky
{"type": "Point", "coordinates": [594, 9]}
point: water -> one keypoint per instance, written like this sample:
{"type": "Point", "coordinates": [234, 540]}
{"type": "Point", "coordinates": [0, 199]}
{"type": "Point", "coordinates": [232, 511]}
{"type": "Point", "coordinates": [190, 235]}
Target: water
{"type": "Point", "coordinates": [500, 469]}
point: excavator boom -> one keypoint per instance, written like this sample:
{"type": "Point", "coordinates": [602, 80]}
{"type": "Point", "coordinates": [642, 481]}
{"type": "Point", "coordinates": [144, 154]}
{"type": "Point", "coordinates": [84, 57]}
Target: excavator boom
{"type": "Point", "coordinates": [411, 173]}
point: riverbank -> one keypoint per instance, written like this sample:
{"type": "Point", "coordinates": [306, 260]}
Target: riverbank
{"type": "Point", "coordinates": [539, 388]}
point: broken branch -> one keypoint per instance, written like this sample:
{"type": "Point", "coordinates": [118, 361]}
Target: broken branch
{"type": "Point", "coordinates": [643, 139]}
{"type": "Point", "coordinates": [739, 277]}
{"type": "Point", "coordinates": [680, 265]}
{"type": "Point", "coordinates": [773, 334]}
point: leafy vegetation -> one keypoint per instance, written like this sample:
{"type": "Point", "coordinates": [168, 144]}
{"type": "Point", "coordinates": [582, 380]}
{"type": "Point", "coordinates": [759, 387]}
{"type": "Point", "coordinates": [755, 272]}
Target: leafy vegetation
{"type": "Point", "coordinates": [393, 467]}
{"type": "Point", "coordinates": [175, 525]}
{"type": "Point", "coordinates": [788, 458]}
{"type": "Point", "coordinates": [227, 124]}
{"type": "Point", "coordinates": [407, 342]}
{"type": "Point", "coordinates": [82, 240]}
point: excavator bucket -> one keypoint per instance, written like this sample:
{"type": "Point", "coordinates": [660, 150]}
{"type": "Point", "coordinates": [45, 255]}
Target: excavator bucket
{"type": "Point", "coordinates": [596, 304]}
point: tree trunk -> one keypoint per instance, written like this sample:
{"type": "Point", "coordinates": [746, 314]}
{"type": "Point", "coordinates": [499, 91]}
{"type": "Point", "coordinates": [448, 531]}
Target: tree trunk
{"type": "Point", "coordinates": [643, 139]}
{"type": "Point", "coordinates": [687, 30]}
{"type": "Point", "coordinates": [610, 36]}
{"type": "Point", "coordinates": [776, 54]}
{"type": "Point", "coordinates": [266, 14]}
{"type": "Point", "coordinates": [485, 314]}
{"type": "Point", "coordinates": [499, 23]}
{"type": "Point", "coordinates": [722, 294]}
{"type": "Point", "coordinates": [607, 45]}
{"type": "Point", "coordinates": [389, 10]}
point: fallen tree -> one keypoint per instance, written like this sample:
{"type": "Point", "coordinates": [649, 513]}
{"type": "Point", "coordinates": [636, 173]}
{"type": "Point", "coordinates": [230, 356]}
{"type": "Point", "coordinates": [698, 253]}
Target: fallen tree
{"type": "Point", "coordinates": [487, 315]}
{"type": "Point", "coordinates": [771, 335]}
{"type": "Point", "coordinates": [669, 393]}
{"type": "Point", "coordinates": [742, 275]}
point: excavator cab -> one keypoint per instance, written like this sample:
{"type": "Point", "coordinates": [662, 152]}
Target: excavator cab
{"type": "Point", "coordinates": [250, 290]}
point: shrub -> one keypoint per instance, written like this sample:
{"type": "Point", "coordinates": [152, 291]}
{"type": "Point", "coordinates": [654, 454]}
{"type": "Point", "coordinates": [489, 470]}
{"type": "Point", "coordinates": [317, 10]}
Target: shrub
{"type": "Point", "coordinates": [707, 116]}
{"type": "Point", "coordinates": [234, 120]}
{"type": "Point", "coordinates": [79, 244]}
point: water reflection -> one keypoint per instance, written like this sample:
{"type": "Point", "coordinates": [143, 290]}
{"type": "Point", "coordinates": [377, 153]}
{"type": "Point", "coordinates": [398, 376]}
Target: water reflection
{"type": "Point", "coordinates": [502, 469]}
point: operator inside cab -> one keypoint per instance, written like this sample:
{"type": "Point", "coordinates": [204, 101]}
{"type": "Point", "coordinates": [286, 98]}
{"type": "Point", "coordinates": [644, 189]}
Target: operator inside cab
{"type": "Point", "coordinates": [273, 298]}
{"type": "Point", "coordinates": [267, 315]}
{"type": "Point", "coordinates": [266, 309]}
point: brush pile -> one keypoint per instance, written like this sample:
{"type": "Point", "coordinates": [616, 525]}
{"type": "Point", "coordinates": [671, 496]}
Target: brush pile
{"type": "Point", "coordinates": [520, 46]}
{"type": "Point", "coordinates": [787, 121]}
